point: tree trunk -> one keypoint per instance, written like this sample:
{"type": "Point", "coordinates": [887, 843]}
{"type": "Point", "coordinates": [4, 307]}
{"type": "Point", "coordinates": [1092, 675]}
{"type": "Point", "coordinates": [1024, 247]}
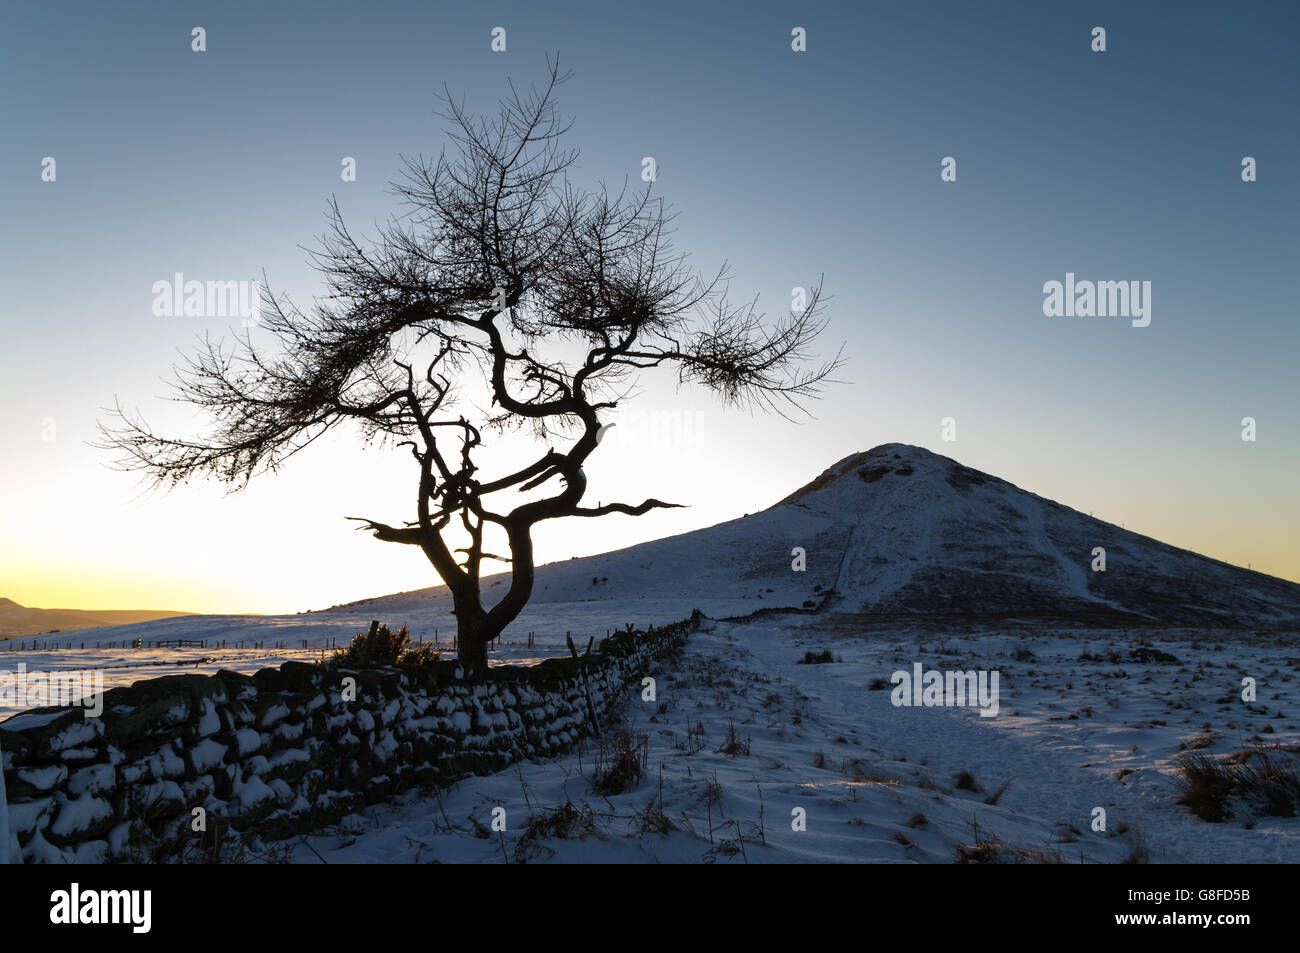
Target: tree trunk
{"type": "Point", "coordinates": [471, 648]}
{"type": "Point", "coordinates": [475, 627]}
{"type": "Point", "coordinates": [472, 637]}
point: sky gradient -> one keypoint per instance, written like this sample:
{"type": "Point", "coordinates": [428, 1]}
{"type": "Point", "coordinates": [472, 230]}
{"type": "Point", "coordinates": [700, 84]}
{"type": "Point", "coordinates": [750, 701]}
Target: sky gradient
{"type": "Point", "coordinates": [1122, 165]}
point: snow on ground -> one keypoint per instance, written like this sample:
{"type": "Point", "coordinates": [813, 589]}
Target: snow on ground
{"type": "Point", "coordinates": [119, 667]}
{"type": "Point", "coordinates": [1078, 728]}
{"type": "Point", "coordinates": [741, 734]}
{"type": "Point", "coordinates": [250, 642]}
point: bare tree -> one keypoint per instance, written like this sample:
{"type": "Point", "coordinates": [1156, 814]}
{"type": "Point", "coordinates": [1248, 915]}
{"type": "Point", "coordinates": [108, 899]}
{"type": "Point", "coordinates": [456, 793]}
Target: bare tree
{"type": "Point", "coordinates": [497, 263]}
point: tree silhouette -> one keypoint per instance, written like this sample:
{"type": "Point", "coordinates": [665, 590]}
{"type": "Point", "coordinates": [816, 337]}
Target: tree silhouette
{"type": "Point", "coordinates": [498, 268]}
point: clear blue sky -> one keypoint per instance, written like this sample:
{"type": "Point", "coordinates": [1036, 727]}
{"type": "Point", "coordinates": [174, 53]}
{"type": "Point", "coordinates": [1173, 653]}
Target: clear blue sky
{"type": "Point", "coordinates": [1123, 165]}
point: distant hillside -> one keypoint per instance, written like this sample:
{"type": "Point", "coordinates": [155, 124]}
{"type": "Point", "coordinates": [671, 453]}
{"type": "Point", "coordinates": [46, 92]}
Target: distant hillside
{"type": "Point", "coordinates": [17, 621]}
{"type": "Point", "coordinates": [893, 535]}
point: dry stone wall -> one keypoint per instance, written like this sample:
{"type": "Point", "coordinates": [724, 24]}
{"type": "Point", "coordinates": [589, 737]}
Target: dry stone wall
{"type": "Point", "coordinates": [285, 750]}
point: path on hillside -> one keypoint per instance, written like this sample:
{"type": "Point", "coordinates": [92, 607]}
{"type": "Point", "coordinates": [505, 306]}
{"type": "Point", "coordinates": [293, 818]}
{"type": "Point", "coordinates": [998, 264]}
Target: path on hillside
{"type": "Point", "coordinates": [1048, 781]}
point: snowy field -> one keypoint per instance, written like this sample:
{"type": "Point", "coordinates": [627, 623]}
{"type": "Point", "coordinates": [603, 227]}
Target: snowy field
{"type": "Point", "coordinates": [248, 643]}
{"type": "Point", "coordinates": [741, 734]}
{"type": "Point", "coordinates": [119, 667]}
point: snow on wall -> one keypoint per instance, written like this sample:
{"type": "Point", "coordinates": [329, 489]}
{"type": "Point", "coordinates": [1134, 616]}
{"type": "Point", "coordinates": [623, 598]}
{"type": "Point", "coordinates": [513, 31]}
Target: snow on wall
{"type": "Point", "coordinates": [282, 752]}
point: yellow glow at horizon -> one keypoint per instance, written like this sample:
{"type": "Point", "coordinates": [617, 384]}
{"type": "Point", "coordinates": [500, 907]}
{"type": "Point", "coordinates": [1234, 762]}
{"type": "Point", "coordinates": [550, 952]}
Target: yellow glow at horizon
{"type": "Point", "coordinates": [283, 546]}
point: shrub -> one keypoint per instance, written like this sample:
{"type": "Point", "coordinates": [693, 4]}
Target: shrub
{"type": "Point", "coordinates": [566, 822]}
{"type": "Point", "coordinates": [653, 820]}
{"type": "Point", "coordinates": [1140, 852]}
{"type": "Point", "coordinates": [382, 646]}
{"type": "Point", "coordinates": [1270, 786]}
{"type": "Point", "coordinates": [988, 849]}
{"type": "Point", "coordinates": [734, 745]}
{"type": "Point", "coordinates": [618, 767]}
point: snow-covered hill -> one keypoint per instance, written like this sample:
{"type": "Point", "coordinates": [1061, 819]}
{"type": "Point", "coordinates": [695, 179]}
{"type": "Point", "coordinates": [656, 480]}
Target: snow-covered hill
{"type": "Point", "coordinates": [890, 534]}
{"type": "Point", "coordinates": [925, 536]}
